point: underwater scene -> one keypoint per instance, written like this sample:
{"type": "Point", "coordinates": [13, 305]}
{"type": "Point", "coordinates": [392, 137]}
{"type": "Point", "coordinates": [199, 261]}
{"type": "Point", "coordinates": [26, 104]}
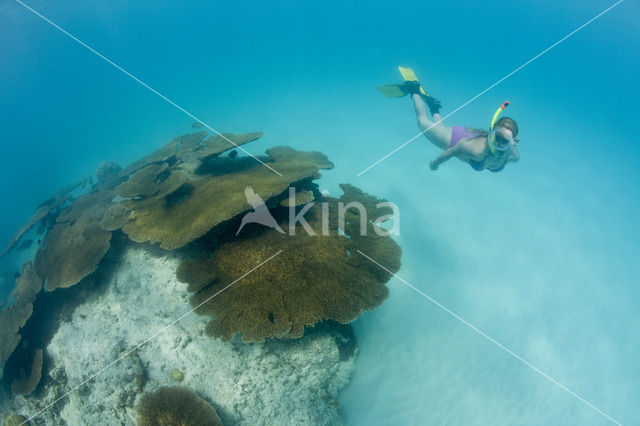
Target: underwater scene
{"type": "Point", "coordinates": [319, 213]}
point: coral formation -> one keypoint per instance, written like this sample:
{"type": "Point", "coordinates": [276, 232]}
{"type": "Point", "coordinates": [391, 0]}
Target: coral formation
{"type": "Point", "coordinates": [187, 193]}
{"type": "Point", "coordinates": [191, 148]}
{"type": "Point", "coordinates": [168, 152]}
{"type": "Point", "coordinates": [15, 420]}
{"type": "Point", "coordinates": [13, 318]}
{"type": "Point", "coordinates": [25, 384]}
{"type": "Point", "coordinates": [28, 285]}
{"type": "Point", "coordinates": [43, 210]}
{"type": "Point", "coordinates": [314, 278]}
{"type": "Point", "coordinates": [173, 405]}
{"type": "Point", "coordinates": [115, 217]}
{"type": "Point", "coordinates": [153, 180]}
{"type": "Point", "coordinates": [107, 172]}
{"type": "Point", "coordinates": [249, 384]}
{"type": "Point", "coordinates": [142, 182]}
{"type": "Point", "coordinates": [301, 198]}
{"type": "Point", "coordinates": [176, 221]}
{"type": "Point", "coordinates": [76, 244]}
{"type": "Point", "coordinates": [197, 273]}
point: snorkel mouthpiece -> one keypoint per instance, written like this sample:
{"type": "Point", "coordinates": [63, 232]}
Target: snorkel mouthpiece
{"type": "Point", "coordinates": [500, 141]}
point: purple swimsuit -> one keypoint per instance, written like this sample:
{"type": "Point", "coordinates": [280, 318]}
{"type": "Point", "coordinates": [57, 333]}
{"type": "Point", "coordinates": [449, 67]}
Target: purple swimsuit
{"type": "Point", "coordinates": [459, 132]}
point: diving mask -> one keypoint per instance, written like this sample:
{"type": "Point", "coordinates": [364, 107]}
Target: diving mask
{"type": "Point", "coordinates": [500, 140]}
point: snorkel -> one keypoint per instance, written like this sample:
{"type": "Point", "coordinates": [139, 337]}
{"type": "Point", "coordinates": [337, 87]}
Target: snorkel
{"type": "Point", "coordinates": [491, 137]}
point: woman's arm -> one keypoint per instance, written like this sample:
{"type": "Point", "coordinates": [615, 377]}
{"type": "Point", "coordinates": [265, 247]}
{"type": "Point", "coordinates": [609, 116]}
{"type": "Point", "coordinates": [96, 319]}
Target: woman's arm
{"type": "Point", "coordinates": [446, 155]}
{"type": "Point", "coordinates": [465, 150]}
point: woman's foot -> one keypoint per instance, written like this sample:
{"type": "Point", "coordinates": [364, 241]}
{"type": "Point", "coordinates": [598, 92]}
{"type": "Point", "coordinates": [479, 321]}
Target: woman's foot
{"type": "Point", "coordinates": [433, 104]}
{"type": "Point", "coordinates": [413, 87]}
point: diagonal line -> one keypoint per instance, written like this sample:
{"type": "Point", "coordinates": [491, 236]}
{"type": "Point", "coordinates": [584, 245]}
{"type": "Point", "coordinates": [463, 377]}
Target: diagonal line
{"type": "Point", "coordinates": [162, 330]}
{"type": "Point", "coordinates": [489, 88]}
{"type": "Point", "coordinates": [142, 83]}
{"type": "Point", "coordinates": [492, 340]}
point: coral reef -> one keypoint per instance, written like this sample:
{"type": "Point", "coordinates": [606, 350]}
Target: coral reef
{"type": "Point", "coordinates": [25, 384]}
{"type": "Point", "coordinates": [174, 405]}
{"type": "Point", "coordinates": [314, 278]}
{"type": "Point", "coordinates": [115, 217]}
{"type": "Point", "coordinates": [13, 318]}
{"type": "Point", "coordinates": [43, 210]}
{"type": "Point", "coordinates": [189, 142]}
{"type": "Point", "coordinates": [176, 223]}
{"type": "Point", "coordinates": [191, 148]}
{"type": "Point", "coordinates": [15, 420]}
{"type": "Point", "coordinates": [142, 183]}
{"type": "Point", "coordinates": [153, 180]}
{"type": "Point", "coordinates": [107, 173]}
{"type": "Point", "coordinates": [302, 197]}
{"type": "Point", "coordinates": [187, 196]}
{"type": "Point", "coordinates": [76, 244]}
{"type": "Point", "coordinates": [249, 383]}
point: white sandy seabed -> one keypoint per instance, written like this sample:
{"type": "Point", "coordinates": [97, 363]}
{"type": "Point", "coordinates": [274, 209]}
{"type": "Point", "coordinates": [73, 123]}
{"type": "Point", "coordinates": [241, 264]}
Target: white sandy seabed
{"type": "Point", "coordinates": [278, 382]}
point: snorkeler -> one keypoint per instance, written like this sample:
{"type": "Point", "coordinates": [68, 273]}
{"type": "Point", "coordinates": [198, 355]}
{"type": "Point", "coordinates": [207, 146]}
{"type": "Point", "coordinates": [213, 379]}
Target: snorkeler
{"type": "Point", "coordinates": [481, 149]}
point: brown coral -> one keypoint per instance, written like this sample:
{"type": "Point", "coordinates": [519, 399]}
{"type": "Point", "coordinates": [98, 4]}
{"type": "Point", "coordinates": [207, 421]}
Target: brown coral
{"type": "Point", "coordinates": [14, 317]}
{"type": "Point", "coordinates": [191, 148]}
{"type": "Point", "coordinates": [314, 278]}
{"type": "Point", "coordinates": [142, 183]}
{"type": "Point", "coordinates": [43, 211]}
{"type": "Point", "coordinates": [25, 384]}
{"type": "Point", "coordinates": [76, 244]}
{"type": "Point", "coordinates": [156, 185]}
{"type": "Point", "coordinates": [167, 153]}
{"type": "Point", "coordinates": [107, 173]}
{"type": "Point", "coordinates": [197, 206]}
{"type": "Point", "coordinates": [115, 217]}
{"type": "Point", "coordinates": [153, 180]}
{"type": "Point", "coordinates": [16, 420]}
{"type": "Point", "coordinates": [175, 406]}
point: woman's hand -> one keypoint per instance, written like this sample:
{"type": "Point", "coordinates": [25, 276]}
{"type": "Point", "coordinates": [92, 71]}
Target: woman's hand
{"type": "Point", "coordinates": [433, 165]}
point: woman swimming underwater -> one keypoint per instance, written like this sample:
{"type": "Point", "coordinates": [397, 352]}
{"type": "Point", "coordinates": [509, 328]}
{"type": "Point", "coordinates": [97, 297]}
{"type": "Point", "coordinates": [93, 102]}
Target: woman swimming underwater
{"type": "Point", "coordinates": [481, 149]}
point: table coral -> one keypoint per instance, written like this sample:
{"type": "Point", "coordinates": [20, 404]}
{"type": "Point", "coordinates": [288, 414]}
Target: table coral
{"type": "Point", "coordinates": [201, 204]}
{"type": "Point", "coordinates": [13, 317]}
{"type": "Point", "coordinates": [44, 209]}
{"type": "Point", "coordinates": [314, 278]}
{"type": "Point", "coordinates": [174, 405]}
{"type": "Point", "coordinates": [24, 385]}
{"type": "Point", "coordinates": [76, 244]}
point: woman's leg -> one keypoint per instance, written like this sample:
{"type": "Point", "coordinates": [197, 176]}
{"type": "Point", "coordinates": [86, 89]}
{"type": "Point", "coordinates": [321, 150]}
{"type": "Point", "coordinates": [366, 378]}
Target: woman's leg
{"type": "Point", "coordinates": [439, 134]}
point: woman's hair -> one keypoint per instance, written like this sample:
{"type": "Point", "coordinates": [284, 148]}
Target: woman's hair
{"type": "Point", "coordinates": [506, 122]}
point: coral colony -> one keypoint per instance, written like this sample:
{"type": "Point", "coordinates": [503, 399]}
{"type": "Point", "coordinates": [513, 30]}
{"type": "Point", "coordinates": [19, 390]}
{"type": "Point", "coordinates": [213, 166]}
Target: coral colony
{"type": "Point", "coordinates": [189, 198]}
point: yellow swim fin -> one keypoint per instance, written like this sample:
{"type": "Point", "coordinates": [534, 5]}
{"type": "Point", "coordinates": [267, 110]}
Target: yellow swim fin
{"type": "Point", "coordinates": [409, 75]}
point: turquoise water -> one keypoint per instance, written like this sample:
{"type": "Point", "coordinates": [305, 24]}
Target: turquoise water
{"type": "Point", "coordinates": [541, 257]}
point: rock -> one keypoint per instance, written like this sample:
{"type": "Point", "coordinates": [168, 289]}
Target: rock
{"type": "Point", "coordinates": [248, 383]}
